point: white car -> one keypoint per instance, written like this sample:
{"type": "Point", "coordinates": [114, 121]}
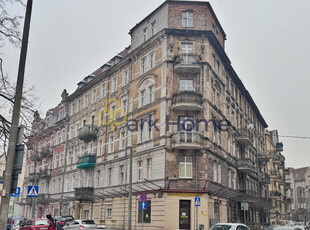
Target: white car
{"type": "Point", "coordinates": [80, 224]}
{"type": "Point", "coordinates": [229, 226]}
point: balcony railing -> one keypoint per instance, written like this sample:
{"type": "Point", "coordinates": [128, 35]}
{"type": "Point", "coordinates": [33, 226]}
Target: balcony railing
{"type": "Point", "coordinates": [45, 174]}
{"type": "Point", "coordinates": [246, 165]}
{"type": "Point", "coordinates": [46, 152]}
{"type": "Point", "coordinates": [276, 195]}
{"type": "Point", "coordinates": [244, 137]}
{"type": "Point", "coordinates": [187, 63]}
{"type": "Point", "coordinates": [187, 100]}
{"type": "Point", "coordinates": [262, 158]}
{"type": "Point", "coordinates": [84, 194]}
{"type": "Point", "coordinates": [287, 171]}
{"type": "Point", "coordinates": [264, 179]}
{"type": "Point", "coordinates": [186, 140]}
{"type": "Point", "coordinates": [88, 133]}
{"type": "Point", "coordinates": [273, 174]}
{"type": "Point", "coordinates": [87, 161]}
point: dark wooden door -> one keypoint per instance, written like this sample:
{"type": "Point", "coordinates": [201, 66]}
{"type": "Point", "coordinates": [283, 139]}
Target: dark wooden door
{"type": "Point", "coordinates": [185, 214]}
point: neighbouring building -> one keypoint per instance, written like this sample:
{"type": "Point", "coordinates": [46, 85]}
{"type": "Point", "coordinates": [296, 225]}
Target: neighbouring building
{"type": "Point", "coordinates": [298, 194]}
{"type": "Point", "coordinates": [209, 140]}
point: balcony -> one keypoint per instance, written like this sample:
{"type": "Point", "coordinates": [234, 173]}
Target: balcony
{"type": "Point", "coordinates": [186, 140]}
{"type": "Point", "coordinates": [276, 195]}
{"type": "Point", "coordinates": [36, 156]}
{"type": "Point", "coordinates": [273, 174]}
{"type": "Point", "coordinates": [187, 100]}
{"type": "Point", "coordinates": [189, 63]}
{"type": "Point", "coordinates": [264, 179]}
{"type": "Point", "coordinates": [244, 137]}
{"type": "Point", "coordinates": [262, 158]}
{"type": "Point", "coordinates": [43, 198]}
{"type": "Point", "coordinates": [279, 147]}
{"type": "Point", "coordinates": [47, 153]}
{"type": "Point", "coordinates": [32, 177]}
{"type": "Point", "coordinates": [246, 165]}
{"type": "Point", "coordinates": [287, 185]}
{"type": "Point", "coordinates": [286, 171]}
{"type": "Point", "coordinates": [84, 194]}
{"type": "Point", "coordinates": [45, 174]}
{"type": "Point", "coordinates": [86, 162]}
{"type": "Point", "coordinates": [88, 133]}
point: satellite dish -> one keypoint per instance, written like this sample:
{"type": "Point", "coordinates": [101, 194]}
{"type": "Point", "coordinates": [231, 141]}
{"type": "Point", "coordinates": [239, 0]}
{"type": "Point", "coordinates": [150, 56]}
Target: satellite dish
{"type": "Point", "coordinates": [250, 126]}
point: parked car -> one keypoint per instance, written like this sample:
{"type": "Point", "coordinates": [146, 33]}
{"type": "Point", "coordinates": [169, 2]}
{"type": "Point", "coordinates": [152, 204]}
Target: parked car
{"type": "Point", "coordinates": [39, 224]}
{"type": "Point", "coordinates": [62, 220]}
{"type": "Point", "coordinates": [13, 222]}
{"type": "Point", "coordinates": [229, 226]}
{"type": "Point", "coordinates": [80, 224]}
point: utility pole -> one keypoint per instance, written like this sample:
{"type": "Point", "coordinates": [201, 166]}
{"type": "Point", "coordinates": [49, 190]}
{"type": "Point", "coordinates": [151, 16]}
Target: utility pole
{"type": "Point", "coordinates": [5, 201]}
{"type": "Point", "coordinates": [130, 189]}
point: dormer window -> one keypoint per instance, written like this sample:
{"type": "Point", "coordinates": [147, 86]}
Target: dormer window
{"type": "Point", "coordinates": [187, 18]}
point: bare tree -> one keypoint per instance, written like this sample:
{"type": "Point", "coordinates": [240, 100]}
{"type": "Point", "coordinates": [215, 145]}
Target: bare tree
{"type": "Point", "coordinates": [10, 31]}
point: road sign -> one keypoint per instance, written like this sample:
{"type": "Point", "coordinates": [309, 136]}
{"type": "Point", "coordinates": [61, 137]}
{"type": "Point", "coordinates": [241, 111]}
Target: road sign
{"type": "Point", "coordinates": [17, 194]}
{"type": "Point", "coordinates": [33, 191]}
{"type": "Point", "coordinates": [197, 201]}
{"type": "Point", "coordinates": [143, 205]}
{"type": "Point", "coordinates": [143, 197]}
{"type": "Point", "coordinates": [245, 206]}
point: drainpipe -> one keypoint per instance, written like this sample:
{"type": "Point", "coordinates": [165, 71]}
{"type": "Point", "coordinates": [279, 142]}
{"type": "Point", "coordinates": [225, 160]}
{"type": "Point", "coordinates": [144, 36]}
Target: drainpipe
{"type": "Point", "coordinates": [64, 166]}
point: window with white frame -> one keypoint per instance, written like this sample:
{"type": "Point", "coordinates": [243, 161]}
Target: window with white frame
{"type": "Point", "coordinates": [121, 174]}
{"type": "Point", "coordinates": [80, 104]}
{"type": "Point", "coordinates": [125, 77]}
{"type": "Point", "coordinates": [73, 108]}
{"type": "Point", "coordinates": [145, 128]}
{"type": "Point", "coordinates": [103, 89]}
{"type": "Point", "coordinates": [185, 168]}
{"type": "Point", "coordinates": [187, 18]}
{"type": "Point", "coordinates": [94, 95]}
{"type": "Point", "coordinates": [216, 94]}
{"type": "Point", "coordinates": [152, 60]}
{"type": "Point", "coordinates": [144, 34]}
{"type": "Point", "coordinates": [114, 84]}
{"type": "Point", "coordinates": [85, 100]}
{"type": "Point", "coordinates": [111, 143]}
{"type": "Point", "coordinates": [219, 172]}
{"type": "Point", "coordinates": [143, 65]}
{"type": "Point", "coordinates": [215, 168]}
{"type": "Point", "coordinates": [110, 176]}
{"type": "Point", "coordinates": [122, 139]}
{"type": "Point", "coordinates": [153, 27]}
{"type": "Point", "coordinates": [124, 104]}
{"type": "Point", "coordinates": [187, 48]}
{"type": "Point", "coordinates": [151, 93]}
{"type": "Point", "coordinates": [149, 168]}
{"type": "Point", "coordinates": [147, 93]}
{"type": "Point", "coordinates": [186, 84]}
{"type": "Point", "coordinates": [140, 170]}
{"type": "Point", "coordinates": [109, 210]}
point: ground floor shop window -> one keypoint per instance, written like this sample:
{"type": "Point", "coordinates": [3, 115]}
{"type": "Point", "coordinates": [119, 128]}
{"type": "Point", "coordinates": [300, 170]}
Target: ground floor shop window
{"type": "Point", "coordinates": [145, 215]}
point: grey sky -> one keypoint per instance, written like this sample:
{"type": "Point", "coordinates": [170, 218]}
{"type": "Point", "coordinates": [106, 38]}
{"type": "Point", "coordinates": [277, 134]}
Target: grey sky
{"type": "Point", "coordinates": [267, 43]}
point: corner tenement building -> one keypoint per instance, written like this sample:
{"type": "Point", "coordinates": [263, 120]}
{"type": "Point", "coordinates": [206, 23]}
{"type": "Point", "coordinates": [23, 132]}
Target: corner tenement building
{"type": "Point", "coordinates": [177, 75]}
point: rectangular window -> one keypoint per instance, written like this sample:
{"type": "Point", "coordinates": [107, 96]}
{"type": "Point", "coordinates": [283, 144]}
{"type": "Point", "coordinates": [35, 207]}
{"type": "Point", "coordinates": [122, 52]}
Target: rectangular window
{"type": "Point", "coordinates": [124, 105]}
{"type": "Point", "coordinates": [186, 85]}
{"type": "Point", "coordinates": [151, 93]}
{"type": "Point", "coordinates": [152, 60]}
{"type": "Point", "coordinates": [121, 174]}
{"type": "Point", "coordinates": [185, 167]}
{"type": "Point", "coordinates": [153, 24]}
{"type": "Point", "coordinates": [144, 34]}
{"type": "Point", "coordinates": [114, 84]}
{"type": "Point", "coordinates": [142, 97]}
{"type": "Point", "coordinates": [111, 144]}
{"type": "Point", "coordinates": [123, 140]}
{"type": "Point", "coordinates": [143, 65]}
{"type": "Point", "coordinates": [125, 77]}
{"type": "Point", "coordinates": [79, 104]}
{"type": "Point", "coordinates": [109, 210]}
{"type": "Point", "coordinates": [140, 170]}
{"type": "Point", "coordinates": [103, 89]}
{"type": "Point", "coordinates": [187, 19]}
{"type": "Point", "coordinates": [229, 178]}
{"type": "Point", "coordinates": [110, 176]}
{"type": "Point", "coordinates": [94, 96]}
{"type": "Point", "coordinates": [149, 168]}
{"type": "Point", "coordinates": [146, 213]}
{"type": "Point", "coordinates": [98, 178]}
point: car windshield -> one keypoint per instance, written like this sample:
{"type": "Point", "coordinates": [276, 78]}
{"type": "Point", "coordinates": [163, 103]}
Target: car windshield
{"type": "Point", "coordinates": [221, 227]}
{"type": "Point", "coordinates": [88, 222]}
{"type": "Point", "coordinates": [16, 221]}
{"type": "Point", "coordinates": [41, 222]}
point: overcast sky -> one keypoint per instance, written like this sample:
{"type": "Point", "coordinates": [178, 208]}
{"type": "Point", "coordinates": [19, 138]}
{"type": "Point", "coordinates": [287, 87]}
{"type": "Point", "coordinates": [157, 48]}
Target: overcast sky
{"type": "Point", "coordinates": [267, 43]}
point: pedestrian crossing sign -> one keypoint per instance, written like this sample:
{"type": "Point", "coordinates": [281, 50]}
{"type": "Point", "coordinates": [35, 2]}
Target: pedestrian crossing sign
{"type": "Point", "coordinates": [197, 201]}
{"type": "Point", "coordinates": [33, 191]}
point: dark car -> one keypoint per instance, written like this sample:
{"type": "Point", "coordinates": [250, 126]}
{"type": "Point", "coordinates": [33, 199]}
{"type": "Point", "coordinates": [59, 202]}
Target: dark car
{"type": "Point", "coordinates": [62, 220]}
